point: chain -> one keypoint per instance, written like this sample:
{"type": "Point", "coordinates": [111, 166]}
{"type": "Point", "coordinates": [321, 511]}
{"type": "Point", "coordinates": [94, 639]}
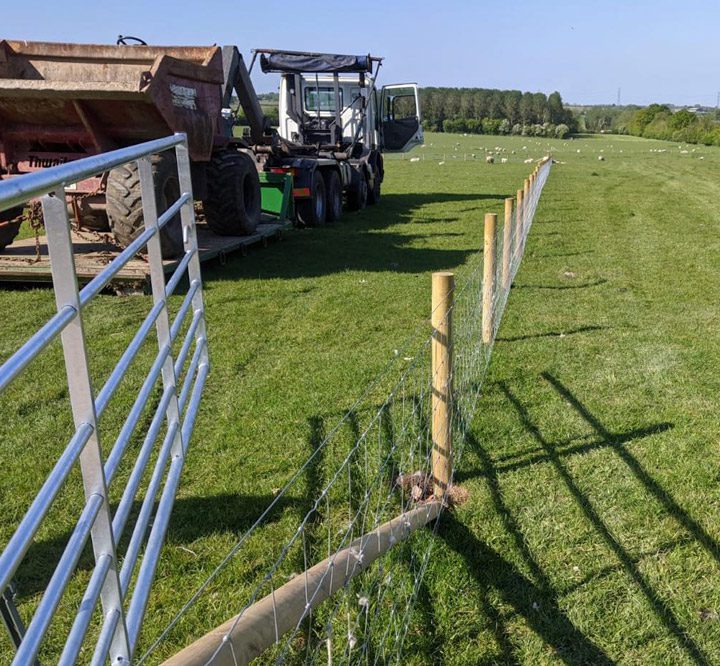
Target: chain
{"type": "Point", "coordinates": [35, 219]}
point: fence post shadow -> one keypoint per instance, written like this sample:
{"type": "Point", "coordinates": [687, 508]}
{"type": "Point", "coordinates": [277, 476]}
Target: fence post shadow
{"type": "Point", "coordinates": [662, 611]}
{"type": "Point", "coordinates": [312, 630]}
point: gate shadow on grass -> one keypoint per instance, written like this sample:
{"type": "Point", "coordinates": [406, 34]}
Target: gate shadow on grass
{"type": "Point", "coordinates": [364, 242]}
{"type": "Point", "coordinates": [653, 487]}
{"type": "Point", "coordinates": [492, 571]}
{"type": "Point", "coordinates": [660, 607]}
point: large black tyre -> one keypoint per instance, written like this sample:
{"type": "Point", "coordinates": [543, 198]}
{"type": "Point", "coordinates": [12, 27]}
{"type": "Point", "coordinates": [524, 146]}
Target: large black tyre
{"type": "Point", "coordinates": [312, 212]}
{"type": "Point", "coordinates": [358, 192]}
{"type": "Point", "coordinates": [233, 203]}
{"type": "Point", "coordinates": [8, 227]}
{"type": "Point", "coordinates": [333, 196]}
{"type": "Point", "coordinates": [124, 203]}
{"type": "Point", "coordinates": [373, 195]}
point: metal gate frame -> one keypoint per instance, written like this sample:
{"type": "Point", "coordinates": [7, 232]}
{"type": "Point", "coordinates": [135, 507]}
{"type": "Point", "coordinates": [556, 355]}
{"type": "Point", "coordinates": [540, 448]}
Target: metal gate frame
{"type": "Point", "coordinates": [123, 604]}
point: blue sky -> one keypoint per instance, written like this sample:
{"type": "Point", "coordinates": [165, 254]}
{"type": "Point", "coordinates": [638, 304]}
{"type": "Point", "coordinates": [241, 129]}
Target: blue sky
{"type": "Point", "coordinates": [665, 51]}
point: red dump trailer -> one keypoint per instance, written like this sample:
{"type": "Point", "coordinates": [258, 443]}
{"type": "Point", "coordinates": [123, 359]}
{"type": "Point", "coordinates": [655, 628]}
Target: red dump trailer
{"type": "Point", "coordinates": [60, 102]}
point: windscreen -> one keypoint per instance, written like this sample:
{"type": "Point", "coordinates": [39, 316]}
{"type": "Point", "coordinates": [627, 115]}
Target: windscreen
{"type": "Point", "coordinates": [325, 95]}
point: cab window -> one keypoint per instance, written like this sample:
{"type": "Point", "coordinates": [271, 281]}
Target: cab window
{"type": "Point", "coordinates": [324, 96]}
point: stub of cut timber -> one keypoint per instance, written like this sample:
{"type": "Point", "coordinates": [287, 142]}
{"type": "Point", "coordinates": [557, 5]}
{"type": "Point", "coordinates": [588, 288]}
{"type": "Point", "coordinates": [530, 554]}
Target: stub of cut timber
{"type": "Point", "coordinates": [244, 637]}
{"type": "Point", "coordinates": [93, 251]}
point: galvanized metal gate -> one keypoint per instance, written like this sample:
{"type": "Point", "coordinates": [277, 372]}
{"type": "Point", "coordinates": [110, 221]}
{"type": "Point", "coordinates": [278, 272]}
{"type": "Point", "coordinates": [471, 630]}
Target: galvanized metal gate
{"type": "Point", "coordinates": [122, 584]}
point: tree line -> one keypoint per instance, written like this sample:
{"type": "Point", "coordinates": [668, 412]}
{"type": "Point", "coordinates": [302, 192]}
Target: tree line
{"type": "Point", "coordinates": [488, 111]}
{"type": "Point", "coordinates": [656, 121]}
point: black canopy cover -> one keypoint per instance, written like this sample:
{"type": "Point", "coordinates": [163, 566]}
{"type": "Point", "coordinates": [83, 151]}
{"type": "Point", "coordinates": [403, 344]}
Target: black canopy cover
{"type": "Point", "coordinates": [315, 63]}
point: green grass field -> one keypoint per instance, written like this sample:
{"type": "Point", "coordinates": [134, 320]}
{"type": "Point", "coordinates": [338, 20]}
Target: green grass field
{"type": "Point", "coordinates": [592, 532]}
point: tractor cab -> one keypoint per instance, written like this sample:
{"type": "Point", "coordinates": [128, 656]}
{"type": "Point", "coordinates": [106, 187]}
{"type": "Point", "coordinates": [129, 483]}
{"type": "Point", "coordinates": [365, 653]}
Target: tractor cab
{"type": "Point", "coordinates": [332, 101]}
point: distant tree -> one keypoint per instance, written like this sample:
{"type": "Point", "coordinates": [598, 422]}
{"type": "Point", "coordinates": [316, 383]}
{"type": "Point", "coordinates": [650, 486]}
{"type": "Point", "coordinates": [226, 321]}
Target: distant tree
{"type": "Point", "coordinates": [682, 119]}
{"type": "Point", "coordinates": [642, 118]}
{"type": "Point", "coordinates": [555, 107]}
{"type": "Point", "coordinates": [512, 105]}
{"type": "Point", "coordinates": [526, 108]}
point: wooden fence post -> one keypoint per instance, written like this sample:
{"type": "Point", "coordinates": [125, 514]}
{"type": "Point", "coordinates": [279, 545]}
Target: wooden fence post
{"type": "Point", "coordinates": [518, 222]}
{"type": "Point", "coordinates": [443, 286]}
{"type": "Point", "coordinates": [507, 243]}
{"type": "Point", "coordinates": [489, 258]}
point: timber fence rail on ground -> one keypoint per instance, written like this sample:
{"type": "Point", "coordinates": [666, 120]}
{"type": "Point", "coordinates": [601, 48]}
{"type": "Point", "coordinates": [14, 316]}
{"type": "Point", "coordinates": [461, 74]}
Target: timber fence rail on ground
{"type": "Point", "coordinates": [382, 472]}
{"type": "Point", "coordinates": [164, 409]}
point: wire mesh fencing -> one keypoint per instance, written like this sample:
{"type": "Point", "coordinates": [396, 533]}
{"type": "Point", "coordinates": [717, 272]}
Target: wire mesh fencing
{"type": "Point", "coordinates": [345, 587]}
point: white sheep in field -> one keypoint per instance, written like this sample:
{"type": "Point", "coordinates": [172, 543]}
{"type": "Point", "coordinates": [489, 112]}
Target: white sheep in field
{"type": "Point", "coordinates": [414, 159]}
{"type": "Point", "coordinates": [529, 160]}
{"type": "Point", "coordinates": [490, 159]}
{"type": "Point", "coordinates": [601, 158]}
{"type": "Point", "coordinates": [441, 163]}
{"type": "Point", "coordinates": [503, 160]}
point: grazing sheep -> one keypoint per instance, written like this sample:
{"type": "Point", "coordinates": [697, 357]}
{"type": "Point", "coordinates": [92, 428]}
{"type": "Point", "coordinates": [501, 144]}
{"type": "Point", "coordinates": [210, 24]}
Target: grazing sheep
{"type": "Point", "coordinates": [529, 160]}
{"type": "Point", "coordinates": [601, 158]}
{"type": "Point", "coordinates": [490, 159]}
{"type": "Point", "coordinates": [441, 163]}
{"type": "Point", "coordinates": [503, 160]}
{"type": "Point", "coordinates": [414, 159]}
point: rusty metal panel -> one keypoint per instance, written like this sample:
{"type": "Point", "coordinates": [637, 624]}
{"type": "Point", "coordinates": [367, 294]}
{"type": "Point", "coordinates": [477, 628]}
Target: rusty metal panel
{"type": "Point", "coordinates": [128, 94]}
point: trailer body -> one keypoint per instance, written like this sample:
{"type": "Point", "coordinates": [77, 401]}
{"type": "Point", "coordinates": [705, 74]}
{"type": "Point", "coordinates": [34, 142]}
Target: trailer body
{"type": "Point", "coordinates": [60, 102]}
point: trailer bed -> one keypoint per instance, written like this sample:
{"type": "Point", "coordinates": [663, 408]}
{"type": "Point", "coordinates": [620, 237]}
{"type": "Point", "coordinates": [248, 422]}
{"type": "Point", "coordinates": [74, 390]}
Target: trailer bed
{"type": "Point", "coordinates": [94, 250]}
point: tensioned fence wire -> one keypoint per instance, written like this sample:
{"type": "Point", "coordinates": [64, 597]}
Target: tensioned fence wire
{"type": "Point", "coordinates": [374, 465]}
